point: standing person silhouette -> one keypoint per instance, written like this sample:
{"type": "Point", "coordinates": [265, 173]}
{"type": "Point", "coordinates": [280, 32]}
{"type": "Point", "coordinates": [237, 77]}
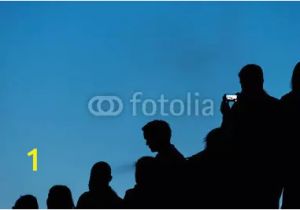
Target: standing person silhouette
{"type": "Point", "coordinates": [100, 194]}
{"type": "Point", "coordinates": [254, 124]}
{"type": "Point", "coordinates": [211, 173]}
{"type": "Point", "coordinates": [291, 116]}
{"type": "Point", "coordinates": [170, 162]}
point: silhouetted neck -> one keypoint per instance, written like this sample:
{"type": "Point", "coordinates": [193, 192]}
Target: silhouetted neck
{"type": "Point", "coordinates": [169, 153]}
{"type": "Point", "coordinates": [100, 189]}
{"type": "Point", "coordinates": [165, 149]}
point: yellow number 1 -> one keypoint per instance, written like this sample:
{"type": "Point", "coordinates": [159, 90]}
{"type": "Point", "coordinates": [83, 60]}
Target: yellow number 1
{"type": "Point", "coordinates": [34, 154]}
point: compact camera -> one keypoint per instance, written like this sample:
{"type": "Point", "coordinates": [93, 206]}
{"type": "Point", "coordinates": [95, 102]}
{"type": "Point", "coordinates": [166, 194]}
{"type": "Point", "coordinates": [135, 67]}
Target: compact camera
{"type": "Point", "coordinates": [231, 97]}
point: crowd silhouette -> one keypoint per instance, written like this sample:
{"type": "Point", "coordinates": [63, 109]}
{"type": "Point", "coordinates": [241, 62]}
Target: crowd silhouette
{"type": "Point", "coordinates": [250, 161]}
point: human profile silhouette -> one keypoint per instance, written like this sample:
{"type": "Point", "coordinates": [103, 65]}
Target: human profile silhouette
{"type": "Point", "coordinates": [26, 202]}
{"type": "Point", "coordinates": [170, 161]}
{"type": "Point", "coordinates": [60, 197]}
{"type": "Point", "coordinates": [290, 104]}
{"type": "Point", "coordinates": [100, 194]}
{"type": "Point", "coordinates": [157, 134]}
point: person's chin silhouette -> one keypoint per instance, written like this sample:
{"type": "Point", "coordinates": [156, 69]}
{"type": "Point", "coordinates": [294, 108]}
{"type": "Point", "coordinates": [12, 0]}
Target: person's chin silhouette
{"type": "Point", "coordinates": [152, 146]}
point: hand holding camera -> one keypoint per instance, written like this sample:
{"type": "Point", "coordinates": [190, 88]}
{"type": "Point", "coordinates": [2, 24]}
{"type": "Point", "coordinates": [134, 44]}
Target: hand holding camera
{"type": "Point", "coordinates": [227, 98]}
{"type": "Point", "coordinates": [231, 97]}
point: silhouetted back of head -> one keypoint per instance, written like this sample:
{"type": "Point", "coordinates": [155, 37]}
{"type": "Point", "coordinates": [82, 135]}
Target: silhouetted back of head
{"type": "Point", "coordinates": [60, 197]}
{"type": "Point", "coordinates": [296, 78]}
{"type": "Point", "coordinates": [145, 172]}
{"type": "Point", "coordinates": [251, 78]}
{"type": "Point", "coordinates": [216, 141]}
{"type": "Point", "coordinates": [157, 134]}
{"type": "Point", "coordinates": [100, 176]}
{"type": "Point", "coordinates": [26, 202]}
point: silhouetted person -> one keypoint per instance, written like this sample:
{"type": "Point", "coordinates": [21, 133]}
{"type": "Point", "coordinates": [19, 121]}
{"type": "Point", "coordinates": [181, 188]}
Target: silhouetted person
{"type": "Point", "coordinates": [60, 197]}
{"type": "Point", "coordinates": [145, 192]}
{"type": "Point", "coordinates": [26, 202]}
{"type": "Point", "coordinates": [254, 123]}
{"type": "Point", "coordinates": [291, 117]}
{"type": "Point", "coordinates": [170, 161]}
{"type": "Point", "coordinates": [100, 194]}
{"type": "Point", "coordinates": [158, 134]}
{"type": "Point", "coordinates": [211, 174]}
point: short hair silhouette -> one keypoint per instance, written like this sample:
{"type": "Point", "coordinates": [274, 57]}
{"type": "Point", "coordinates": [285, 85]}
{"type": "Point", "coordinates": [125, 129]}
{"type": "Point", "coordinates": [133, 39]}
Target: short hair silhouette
{"type": "Point", "coordinates": [157, 133]}
{"type": "Point", "coordinates": [214, 139]}
{"type": "Point", "coordinates": [100, 175]}
{"type": "Point", "coordinates": [26, 202]}
{"type": "Point", "coordinates": [145, 170]}
{"type": "Point", "coordinates": [60, 197]}
{"type": "Point", "coordinates": [251, 77]}
{"type": "Point", "coordinates": [296, 78]}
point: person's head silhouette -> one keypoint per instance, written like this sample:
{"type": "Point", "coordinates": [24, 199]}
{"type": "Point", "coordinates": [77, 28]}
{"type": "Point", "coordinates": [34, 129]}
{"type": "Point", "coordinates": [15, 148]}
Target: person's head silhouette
{"type": "Point", "coordinates": [100, 176]}
{"type": "Point", "coordinates": [145, 172]}
{"type": "Point", "coordinates": [218, 142]}
{"type": "Point", "coordinates": [60, 197]}
{"type": "Point", "coordinates": [157, 134]}
{"type": "Point", "coordinates": [26, 202]}
{"type": "Point", "coordinates": [251, 79]}
{"type": "Point", "coordinates": [214, 139]}
{"type": "Point", "coordinates": [296, 78]}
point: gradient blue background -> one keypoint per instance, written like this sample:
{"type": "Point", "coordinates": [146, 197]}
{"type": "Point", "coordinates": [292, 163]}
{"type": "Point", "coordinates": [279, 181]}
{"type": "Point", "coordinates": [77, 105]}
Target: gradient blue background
{"type": "Point", "coordinates": [55, 56]}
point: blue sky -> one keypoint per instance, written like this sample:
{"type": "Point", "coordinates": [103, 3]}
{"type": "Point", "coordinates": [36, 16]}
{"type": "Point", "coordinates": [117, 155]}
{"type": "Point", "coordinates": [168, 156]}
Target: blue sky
{"type": "Point", "coordinates": [55, 56]}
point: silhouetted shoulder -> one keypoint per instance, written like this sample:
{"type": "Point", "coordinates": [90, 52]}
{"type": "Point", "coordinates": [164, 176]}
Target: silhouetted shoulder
{"type": "Point", "coordinates": [83, 201]}
{"type": "Point", "coordinates": [197, 157]}
{"type": "Point", "coordinates": [269, 100]}
{"type": "Point", "coordinates": [129, 194]}
{"type": "Point", "coordinates": [116, 198]}
{"type": "Point", "coordinates": [286, 96]}
{"type": "Point", "coordinates": [171, 154]}
{"type": "Point", "coordinates": [99, 200]}
{"type": "Point", "coordinates": [290, 97]}
{"type": "Point", "coordinates": [273, 99]}
{"type": "Point", "coordinates": [130, 198]}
